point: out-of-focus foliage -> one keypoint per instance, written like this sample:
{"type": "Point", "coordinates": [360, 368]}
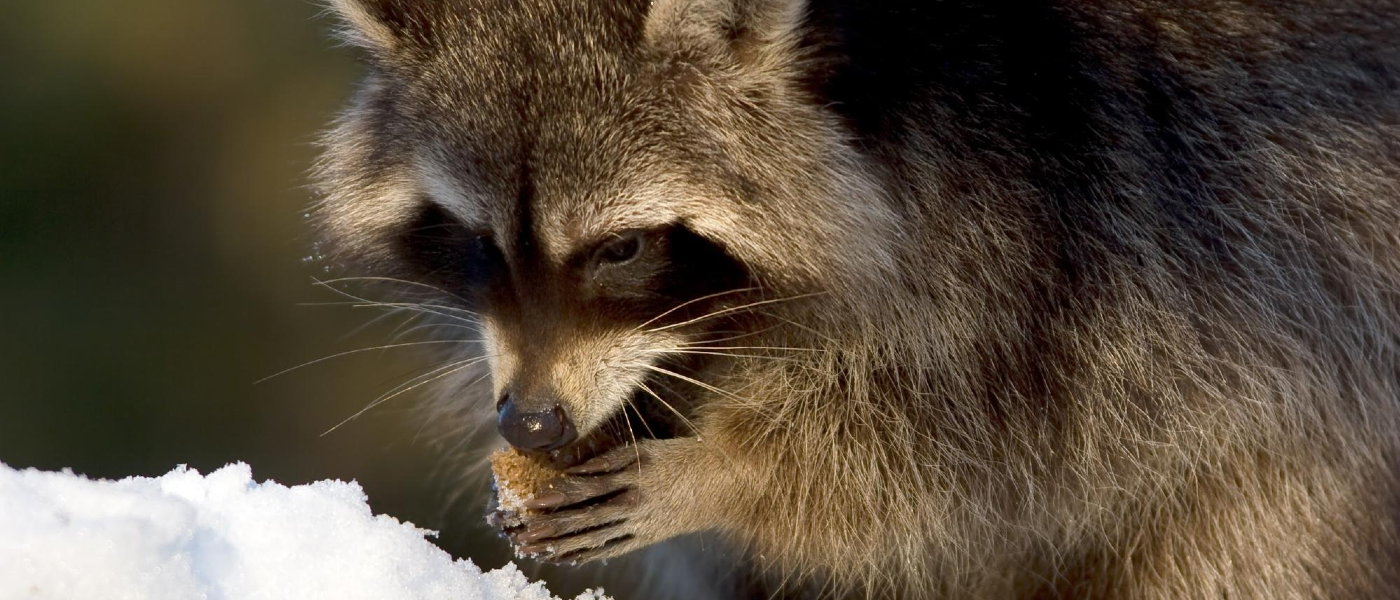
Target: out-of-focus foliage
{"type": "Point", "coordinates": [153, 158]}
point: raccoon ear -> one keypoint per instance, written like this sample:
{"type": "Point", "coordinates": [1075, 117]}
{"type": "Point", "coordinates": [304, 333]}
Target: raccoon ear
{"type": "Point", "coordinates": [765, 26]}
{"type": "Point", "coordinates": [385, 25]}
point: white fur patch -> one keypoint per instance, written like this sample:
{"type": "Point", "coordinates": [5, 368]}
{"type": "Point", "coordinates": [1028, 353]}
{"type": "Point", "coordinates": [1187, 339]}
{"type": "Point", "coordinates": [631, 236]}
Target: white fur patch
{"type": "Point", "coordinates": [364, 29]}
{"type": "Point", "coordinates": [448, 192]}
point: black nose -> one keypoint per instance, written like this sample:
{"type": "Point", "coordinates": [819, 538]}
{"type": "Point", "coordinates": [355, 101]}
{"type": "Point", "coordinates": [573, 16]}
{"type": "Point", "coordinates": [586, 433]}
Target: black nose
{"type": "Point", "coordinates": [535, 425]}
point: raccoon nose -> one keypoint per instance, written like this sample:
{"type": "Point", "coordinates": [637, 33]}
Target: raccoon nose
{"type": "Point", "coordinates": [534, 426]}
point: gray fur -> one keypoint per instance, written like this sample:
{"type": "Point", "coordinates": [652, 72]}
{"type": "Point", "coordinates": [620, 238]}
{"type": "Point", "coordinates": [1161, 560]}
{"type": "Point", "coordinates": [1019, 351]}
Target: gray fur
{"type": "Point", "coordinates": [1105, 303]}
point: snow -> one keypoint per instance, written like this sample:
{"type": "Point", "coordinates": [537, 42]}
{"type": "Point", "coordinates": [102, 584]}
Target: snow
{"type": "Point", "coordinates": [223, 537]}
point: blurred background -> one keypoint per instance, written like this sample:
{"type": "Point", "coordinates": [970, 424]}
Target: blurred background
{"type": "Point", "coordinates": [153, 159]}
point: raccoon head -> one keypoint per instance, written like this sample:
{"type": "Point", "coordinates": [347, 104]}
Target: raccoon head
{"type": "Point", "coordinates": [603, 182]}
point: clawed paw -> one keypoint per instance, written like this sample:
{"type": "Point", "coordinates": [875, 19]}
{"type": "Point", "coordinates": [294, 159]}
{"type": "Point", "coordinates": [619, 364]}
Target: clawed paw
{"type": "Point", "coordinates": [589, 513]}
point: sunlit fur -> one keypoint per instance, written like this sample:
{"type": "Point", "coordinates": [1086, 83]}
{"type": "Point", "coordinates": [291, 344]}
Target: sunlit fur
{"type": "Point", "coordinates": [1097, 299]}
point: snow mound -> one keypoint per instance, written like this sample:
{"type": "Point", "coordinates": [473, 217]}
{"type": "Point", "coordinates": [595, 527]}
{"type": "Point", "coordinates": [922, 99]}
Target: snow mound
{"type": "Point", "coordinates": [223, 537]}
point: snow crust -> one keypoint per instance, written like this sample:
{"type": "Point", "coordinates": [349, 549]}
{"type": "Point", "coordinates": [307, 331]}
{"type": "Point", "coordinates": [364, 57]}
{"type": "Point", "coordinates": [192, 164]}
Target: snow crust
{"type": "Point", "coordinates": [223, 537]}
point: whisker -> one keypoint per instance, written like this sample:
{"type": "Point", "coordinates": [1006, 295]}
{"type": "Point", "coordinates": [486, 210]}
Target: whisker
{"type": "Point", "coordinates": [366, 303]}
{"type": "Point", "coordinates": [424, 308]}
{"type": "Point", "coordinates": [408, 305]}
{"type": "Point", "coordinates": [467, 386]}
{"type": "Point", "coordinates": [781, 348]}
{"type": "Point", "coordinates": [729, 354]}
{"type": "Point", "coordinates": [633, 433]}
{"type": "Point", "coordinates": [697, 382]}
{"type": "Point", "coordinates": [451, 368]}
{"type": "Point", "coordinates": [420, 305]}
{"type": "Point", "coordinates": [448, 307]}
{"type": "Point", "coordinates": [734, 309]}
{"type": "Point", "coordinates": [394, 280]}
{"type": "Point", "coordinates": [801, 326]}
{"type": "Point", "coordinates": [693, 301]}
{"type": "Point", "coordinates": [682, 417]}
{"type": "Point", "coordinates": [395, 335]}
{"type": "Point", "coordinates": [640, 417]}
{"type": "Point", "coordinates": [719, 449]}
{"type": "Point", "coordinates": [375, 321]}
{"type": "Point", "coordinates": [360, 351]}
{"type": "Point", "coordinates": [448, 365]}
{"type": "Point", "coordinates": [739, 336]}
{"type": "Point", "coordinates": [404, 333]}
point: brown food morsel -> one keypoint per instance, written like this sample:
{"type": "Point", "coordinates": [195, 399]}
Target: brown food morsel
{"type": "Point", "coordinates": [519, 477]}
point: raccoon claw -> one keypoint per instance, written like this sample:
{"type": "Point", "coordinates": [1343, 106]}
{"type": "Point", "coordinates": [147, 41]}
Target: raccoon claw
{"type": "Point", "coordinates": [569, 491]}
{"type": "Point", "coordinates": [578, 551]}
{"type": "Point", "coordinates": [607, 463]}
{"type": "Point", "coordinates": [579, 535]}
{"type": "Point", "coordinates": [584, 515]}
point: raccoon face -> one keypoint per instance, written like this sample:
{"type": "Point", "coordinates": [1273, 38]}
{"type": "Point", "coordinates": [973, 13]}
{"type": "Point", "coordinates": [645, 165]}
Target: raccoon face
{"type": "Point", "coordinates": [572, 335]}
{"type": "Point", "coordinates": [602, 182]}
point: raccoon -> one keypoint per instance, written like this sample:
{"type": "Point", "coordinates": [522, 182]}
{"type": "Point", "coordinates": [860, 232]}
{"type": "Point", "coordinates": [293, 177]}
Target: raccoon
{"type": "Point", "coordinates": [908, 299]}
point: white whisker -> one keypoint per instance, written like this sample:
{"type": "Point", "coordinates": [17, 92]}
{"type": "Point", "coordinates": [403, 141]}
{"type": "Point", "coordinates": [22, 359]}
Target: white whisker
{"type": "Point", "coordinates": [394, 280]}
{"type": "Point", "coordinates": [728, 354]}
{"type": "Point", "coordinates": [693, 301]}
{"type": "Point", "coordinates": [696, 382]}
{"type": "Point", "coordinates": [450, 368]}
{"type": "Point", "coordinates": [360, 351]}
{"type": "Point", "coordinates": [367, 303]}
{"type": "Point", "coordinates": [682, 417]}
{"type": "Point", "coordinates": [778, 348]}
{"type": "Point", "coordinates": [734, 309]}
{"type": "Point", "coordinates": [406, 332]}
{"type": "Point", "coordinates": [633, 433]}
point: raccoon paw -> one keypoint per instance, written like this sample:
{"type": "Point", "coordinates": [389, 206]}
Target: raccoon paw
{"type": "Point", "coordinates": [590, 513]}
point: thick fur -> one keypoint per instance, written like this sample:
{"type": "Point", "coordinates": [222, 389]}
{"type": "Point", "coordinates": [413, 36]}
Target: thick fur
{"type": "Point", "coordinates": [1090, 299]}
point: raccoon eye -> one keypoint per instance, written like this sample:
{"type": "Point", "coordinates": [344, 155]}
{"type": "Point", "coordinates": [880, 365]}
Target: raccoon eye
{"type": "Point", "coordinates": [438, 247]}
{"type": "Point", "coordinates": [622, 250]}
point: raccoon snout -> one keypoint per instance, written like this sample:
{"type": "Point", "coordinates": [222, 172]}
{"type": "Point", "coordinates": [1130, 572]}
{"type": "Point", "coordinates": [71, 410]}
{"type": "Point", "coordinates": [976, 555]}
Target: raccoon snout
{"type": "Point", "coordinates": [534, 424]}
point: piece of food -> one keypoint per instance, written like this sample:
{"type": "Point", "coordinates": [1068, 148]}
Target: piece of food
{"type": "Point", "coordinates": [519, 477]}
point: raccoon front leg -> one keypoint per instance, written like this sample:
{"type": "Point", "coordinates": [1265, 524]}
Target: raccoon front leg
{"type": "Point", "coordinates": [624, 500]}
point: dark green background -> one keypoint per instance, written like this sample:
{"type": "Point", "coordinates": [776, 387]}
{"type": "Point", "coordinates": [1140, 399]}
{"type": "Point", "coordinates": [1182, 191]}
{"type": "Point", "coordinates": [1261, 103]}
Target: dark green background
{"type": "Point", "coordinates": [153, 158]}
